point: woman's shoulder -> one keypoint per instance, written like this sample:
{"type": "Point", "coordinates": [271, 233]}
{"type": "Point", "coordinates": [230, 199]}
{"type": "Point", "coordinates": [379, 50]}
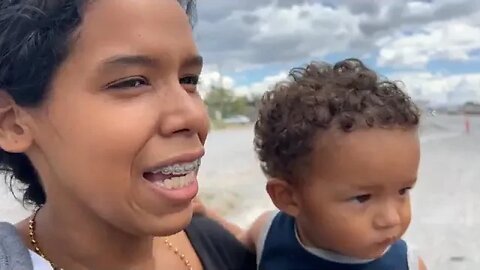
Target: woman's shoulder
{"type": "Point", "coordinates": [13, 252]}
{"type": "Point", "coordinates": [216, 247]}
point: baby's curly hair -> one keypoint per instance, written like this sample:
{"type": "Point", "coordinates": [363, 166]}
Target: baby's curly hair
{"type": "Point", "coordinates": [319, 97]}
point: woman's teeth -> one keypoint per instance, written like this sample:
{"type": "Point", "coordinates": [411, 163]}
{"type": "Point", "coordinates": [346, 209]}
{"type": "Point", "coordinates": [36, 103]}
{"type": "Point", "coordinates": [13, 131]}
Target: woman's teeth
{"type": "Point", "coordinates": [179, 168]}
{"type": "Point", "coordinates": [177, 182]}
{"type": "Point", "coordinates": [174, 176]}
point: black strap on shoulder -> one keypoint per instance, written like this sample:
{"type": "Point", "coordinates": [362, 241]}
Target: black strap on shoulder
{"type": "Point", "coordinates": [217, 248]}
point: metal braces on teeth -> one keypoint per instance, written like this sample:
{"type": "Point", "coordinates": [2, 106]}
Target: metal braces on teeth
{"type": "Point", "coordinates": [179, 170]}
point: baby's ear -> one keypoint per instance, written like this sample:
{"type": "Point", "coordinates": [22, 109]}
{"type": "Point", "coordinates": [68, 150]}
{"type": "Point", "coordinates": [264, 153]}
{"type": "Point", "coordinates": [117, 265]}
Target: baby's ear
{"type": "Point", "coordinates": [283, 196]}
{"type": "Point", "coordinates": [15, 135]}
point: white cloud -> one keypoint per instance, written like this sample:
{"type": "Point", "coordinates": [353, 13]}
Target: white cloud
{"type": "Point", "coordinates": [404, 35]}
{"type": "Point", "coordinates": [249, 34]}
{"type": "Point", "coordinates": [212, 78]}
{"type": "Point", "coordinates": [272, 34]}
{"type": "Point", "coordinates": [262, 86]}
{"type": "Point", "coordinates": [313, 30]}
{"type": "Point", "coordinates": [446, 41]}
{"type": "Point", "coordinates": [419, 8]}
{"type": "Point", "coordinates": [441, 88]}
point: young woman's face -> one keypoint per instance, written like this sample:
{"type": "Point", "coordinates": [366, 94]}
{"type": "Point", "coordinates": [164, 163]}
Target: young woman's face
{"type": "Point", "coordinates": [123, 107]}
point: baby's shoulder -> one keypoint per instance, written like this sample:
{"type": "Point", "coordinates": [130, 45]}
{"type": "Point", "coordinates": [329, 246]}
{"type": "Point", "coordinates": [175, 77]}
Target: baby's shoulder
{"type": "Point", "coordinates": [408, 252]}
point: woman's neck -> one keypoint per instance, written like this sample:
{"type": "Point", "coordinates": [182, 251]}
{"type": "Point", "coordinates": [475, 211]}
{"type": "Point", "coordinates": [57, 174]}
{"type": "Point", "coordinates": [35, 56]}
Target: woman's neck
{"type": "Point", "coordinates": [80, 240]}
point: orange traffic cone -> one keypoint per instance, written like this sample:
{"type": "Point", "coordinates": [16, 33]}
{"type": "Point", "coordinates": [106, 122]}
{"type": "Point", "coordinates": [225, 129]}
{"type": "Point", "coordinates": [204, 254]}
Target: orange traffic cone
{"type": "Point", "coordinates": [467, 125]}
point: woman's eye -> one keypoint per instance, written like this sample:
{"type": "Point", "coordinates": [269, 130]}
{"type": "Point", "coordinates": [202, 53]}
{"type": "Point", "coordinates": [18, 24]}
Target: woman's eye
{"type": "Point", "coordinates": [128, 83]}
{"type": "Point", "coordinates": [404, 191]}
{"type": "Point", "coordinates": [192, 80]}
{"type": "Point", "coordinates": [362, 198]}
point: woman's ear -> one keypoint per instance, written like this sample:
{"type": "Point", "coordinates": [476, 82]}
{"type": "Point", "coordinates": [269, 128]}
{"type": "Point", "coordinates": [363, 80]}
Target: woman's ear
{"type": "Point", "coordinates": [15, 134]}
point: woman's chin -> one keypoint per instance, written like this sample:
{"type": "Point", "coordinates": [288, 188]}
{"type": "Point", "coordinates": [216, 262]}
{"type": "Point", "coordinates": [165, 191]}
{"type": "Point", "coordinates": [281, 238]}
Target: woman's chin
{"type": "Point", "coordinates": [172, 223]}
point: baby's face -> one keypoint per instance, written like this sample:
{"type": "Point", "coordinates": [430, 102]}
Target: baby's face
{"type": "Point", "coordinates": [356, 199]}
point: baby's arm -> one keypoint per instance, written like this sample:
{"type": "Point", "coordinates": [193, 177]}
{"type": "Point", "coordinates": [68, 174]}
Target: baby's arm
{"type": "Point", "coordinates": [415, 262]}
{"type": "Point", "coordinates": [252, 235]}
{"type": "Point", "coordinates": [200, 208]}
{"type": "Point", "coordinates": [421, 264]}
{"type": "Point", "coordinates": [248, 237]}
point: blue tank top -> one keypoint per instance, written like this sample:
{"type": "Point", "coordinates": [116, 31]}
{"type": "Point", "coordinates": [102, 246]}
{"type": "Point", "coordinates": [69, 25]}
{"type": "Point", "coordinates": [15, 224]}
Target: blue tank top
{"type": "Point", "coordinates": [282, 251]}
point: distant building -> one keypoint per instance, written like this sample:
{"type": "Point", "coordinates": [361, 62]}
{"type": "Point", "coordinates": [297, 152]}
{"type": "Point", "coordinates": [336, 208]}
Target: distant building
{"type": "Point", "coordinates": [422, 104]}
{"type": "Point", "coordinates": [470, 108]}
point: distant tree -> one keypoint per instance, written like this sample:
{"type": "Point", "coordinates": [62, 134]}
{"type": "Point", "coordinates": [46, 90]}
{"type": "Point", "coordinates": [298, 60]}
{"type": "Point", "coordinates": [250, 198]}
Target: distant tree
{"type": "Point", "coordinates": [224, 101]}
{"type": "Point", "coordinates": [470, 103]}
{"type": "Point", "coordinates": [254, 100]}
{"type": "Point", "coordinates": [238, 106]}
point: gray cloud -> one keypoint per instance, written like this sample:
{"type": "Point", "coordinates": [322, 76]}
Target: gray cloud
{"type": "Point", "coordinates": [250, 19]}
{"type": "Point", "coordinates": [305, 13]}
{"type": "Point", "coordinates": [228, 31]}
{"type": "Point", "coordinates": [367, 7]}
{"type": "Point", "coordinates": [217, 10]}
{"type": "Point", "coordinates": [289, 3]}
{"type": "Point", "coordinates": [397, 17]}
{"type": "Point", "coordinates": [280, 48]}
{"type": "Point", "coordinates": [228, 35]}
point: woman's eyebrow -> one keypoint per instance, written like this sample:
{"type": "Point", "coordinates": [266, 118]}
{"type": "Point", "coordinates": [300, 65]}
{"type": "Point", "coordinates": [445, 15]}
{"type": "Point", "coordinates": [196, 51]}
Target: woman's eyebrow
{"type": "Point", "coordinates": [129, 60]}
{"type": "Point", "coordinates": [195, 61]}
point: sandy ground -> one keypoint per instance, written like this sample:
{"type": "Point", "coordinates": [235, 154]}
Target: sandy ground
{"type": "Point", "coordinates": [445, 229]}
{"type": "Point", "coordinates": [446, 209]}
{"type": "Point", "coordinates": [446, 205]}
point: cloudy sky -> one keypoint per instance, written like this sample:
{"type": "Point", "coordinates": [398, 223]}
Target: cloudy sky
{"type": "Point", "coordinates": [432, 46]}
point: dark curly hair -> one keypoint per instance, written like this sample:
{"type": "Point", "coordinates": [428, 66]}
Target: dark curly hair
{"type": "Point", "coordinates": [35, 37]}
{"type": "Point", "coordinates": [320, 97]}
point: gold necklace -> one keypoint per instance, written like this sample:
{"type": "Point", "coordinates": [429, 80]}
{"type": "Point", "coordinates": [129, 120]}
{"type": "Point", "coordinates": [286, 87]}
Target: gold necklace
{"type": "Point", "coordinates": [34, 242]}
{"type": "Point", "coordinates": [177, 252]}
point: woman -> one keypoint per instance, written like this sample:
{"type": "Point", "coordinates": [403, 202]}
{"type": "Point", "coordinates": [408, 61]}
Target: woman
{"type": "Point", "coordinates": [101, 121]}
